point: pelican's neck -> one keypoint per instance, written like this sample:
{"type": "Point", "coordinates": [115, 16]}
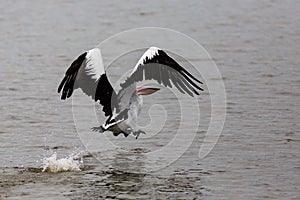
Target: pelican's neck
{"type": "Point", "coordinates": [135, 107]}
{"type": "Point", "coordinates": [138, 100]}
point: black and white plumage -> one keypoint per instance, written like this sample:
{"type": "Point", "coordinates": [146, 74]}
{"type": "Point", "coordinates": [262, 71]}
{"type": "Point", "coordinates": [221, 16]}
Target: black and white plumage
{"type": "Point", "coordinates": [123, 107]}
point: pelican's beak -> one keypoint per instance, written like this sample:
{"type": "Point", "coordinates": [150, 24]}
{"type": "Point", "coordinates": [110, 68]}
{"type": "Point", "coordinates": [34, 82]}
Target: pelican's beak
{"type": "Point", "coordinates": [145, 90]}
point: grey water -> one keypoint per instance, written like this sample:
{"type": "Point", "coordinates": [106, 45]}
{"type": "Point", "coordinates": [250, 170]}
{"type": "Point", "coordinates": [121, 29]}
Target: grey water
{"type": "Point", "coordinates": [256, 46]}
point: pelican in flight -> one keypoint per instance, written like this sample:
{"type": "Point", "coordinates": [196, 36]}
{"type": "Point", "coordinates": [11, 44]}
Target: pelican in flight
{"type": "Point", "coordinates": [123, 107]}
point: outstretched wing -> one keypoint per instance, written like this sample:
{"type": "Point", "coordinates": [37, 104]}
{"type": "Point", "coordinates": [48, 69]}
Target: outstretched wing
{"type": "Point", "coordinates": [87, 72]}
{"type": "Point", "coordinates": [155, 64]}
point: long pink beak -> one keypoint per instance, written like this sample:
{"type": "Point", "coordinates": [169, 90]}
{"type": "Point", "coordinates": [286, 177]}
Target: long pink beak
{"type": "Point", "coordinates": [144, 90]}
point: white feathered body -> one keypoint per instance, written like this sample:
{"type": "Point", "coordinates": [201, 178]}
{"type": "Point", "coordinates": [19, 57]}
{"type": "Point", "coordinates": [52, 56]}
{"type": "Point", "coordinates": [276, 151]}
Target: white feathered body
{"type": "Point", "coordinates": [128, 125]}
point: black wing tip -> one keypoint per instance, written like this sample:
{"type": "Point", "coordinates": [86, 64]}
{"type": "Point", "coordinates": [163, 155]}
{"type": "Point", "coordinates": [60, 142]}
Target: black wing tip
{"type": "Point", "coordinates": [191, 76]}
{"type": "Point", "coordinates": [67, 83]}
{"type": "Point", "coordinates": [179, 67]}
{"type": "Point", "coordinates": [62, 83]}
{"type": "Point", "coordinates": [66, 87]}
{"type": "Point", "coordinates": [63, 96]}
{"type": "Point", "coordinates": [200, 90]}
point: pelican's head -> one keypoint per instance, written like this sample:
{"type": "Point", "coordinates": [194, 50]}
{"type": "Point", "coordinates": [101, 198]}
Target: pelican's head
{"type": "Point", "coordinates": [145, 90]}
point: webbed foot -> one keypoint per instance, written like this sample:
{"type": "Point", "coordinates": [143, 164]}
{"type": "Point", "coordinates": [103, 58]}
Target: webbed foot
{"type": "Point", "coordinates": [137, 133]}
{"type": "Point", "coordinates": [99, 129]}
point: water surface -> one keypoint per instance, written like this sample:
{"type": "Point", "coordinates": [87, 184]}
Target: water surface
{"type": "Point", "coordinates": [256, 47]}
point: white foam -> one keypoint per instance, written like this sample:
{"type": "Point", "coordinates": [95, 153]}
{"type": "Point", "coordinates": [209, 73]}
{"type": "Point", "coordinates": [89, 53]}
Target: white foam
{"type": "Point", "coordinates": [69, 163]}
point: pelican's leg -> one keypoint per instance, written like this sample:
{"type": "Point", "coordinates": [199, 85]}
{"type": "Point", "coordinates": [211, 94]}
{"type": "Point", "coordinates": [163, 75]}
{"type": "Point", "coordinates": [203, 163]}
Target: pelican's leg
{"type": "Point", "coordinates": [137, 133]}
{"type": "Point", "coordinates": [99, 129]}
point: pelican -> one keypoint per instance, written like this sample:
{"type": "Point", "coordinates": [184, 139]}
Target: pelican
{"type": "Point", "coordinates": [123, 107]}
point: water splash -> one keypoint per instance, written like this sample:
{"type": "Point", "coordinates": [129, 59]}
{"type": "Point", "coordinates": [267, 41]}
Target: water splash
{"type": "Point", "coordinates": [70, 163]}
